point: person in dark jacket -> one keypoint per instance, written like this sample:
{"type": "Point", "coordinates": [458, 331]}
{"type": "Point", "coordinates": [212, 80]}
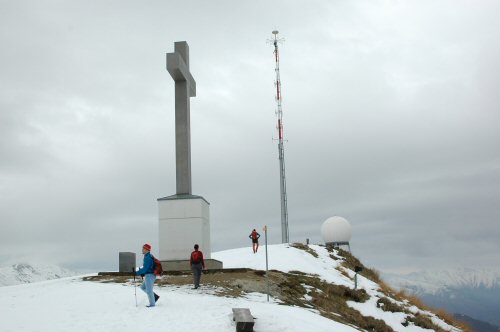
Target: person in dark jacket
{"type": "Point", "coordinates": [255, 240]}
{"type": "Point", "coordinates": [197, 263]}
{"type": "Point", "coordinates": [147, 271]}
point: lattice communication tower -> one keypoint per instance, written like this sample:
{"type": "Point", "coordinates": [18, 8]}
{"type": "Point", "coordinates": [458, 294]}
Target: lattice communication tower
{"type": "Point", "coordinates": [281, 150]}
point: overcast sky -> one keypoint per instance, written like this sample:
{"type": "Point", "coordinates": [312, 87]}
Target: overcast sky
{"type": "Point", "coordinates": [391, 114]}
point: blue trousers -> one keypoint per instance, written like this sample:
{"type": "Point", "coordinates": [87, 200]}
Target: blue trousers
{"type": "Point", "coordinates": [197, 268]}
{"type": "Point", "coordinates": [147, 287]}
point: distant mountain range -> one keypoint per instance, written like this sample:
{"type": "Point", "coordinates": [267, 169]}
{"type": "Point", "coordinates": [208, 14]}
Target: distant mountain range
{"type": "Point", "coordinates": [477, 325]}
{"type": "Point", "coordinates": [470, 292]}
{"type": "Point", "coordinates": [28, 273]}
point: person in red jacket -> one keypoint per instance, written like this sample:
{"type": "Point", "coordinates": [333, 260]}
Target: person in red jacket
{"type": "Point", "coordinates": [255, 240]}
{"type": "Point", "coordinates": [197, 263]}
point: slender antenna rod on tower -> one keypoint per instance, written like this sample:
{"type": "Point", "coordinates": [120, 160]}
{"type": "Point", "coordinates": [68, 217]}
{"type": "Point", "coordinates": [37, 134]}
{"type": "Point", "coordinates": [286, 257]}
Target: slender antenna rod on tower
{"type": "Point", "coordinates": [281, 151]}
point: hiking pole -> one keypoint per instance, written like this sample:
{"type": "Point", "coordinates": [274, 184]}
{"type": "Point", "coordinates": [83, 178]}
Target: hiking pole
{"type": "Point", "coordinates": [135, 287]}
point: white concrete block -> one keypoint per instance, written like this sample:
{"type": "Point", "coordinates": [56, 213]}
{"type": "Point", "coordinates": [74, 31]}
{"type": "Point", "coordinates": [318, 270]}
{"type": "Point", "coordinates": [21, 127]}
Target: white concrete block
{"type": "Point", "coordinates": [182, 223]}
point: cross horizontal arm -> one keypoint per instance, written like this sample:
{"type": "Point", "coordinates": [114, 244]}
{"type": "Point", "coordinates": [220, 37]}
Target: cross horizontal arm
{"type": "Point", "coordinates": [180, 71]}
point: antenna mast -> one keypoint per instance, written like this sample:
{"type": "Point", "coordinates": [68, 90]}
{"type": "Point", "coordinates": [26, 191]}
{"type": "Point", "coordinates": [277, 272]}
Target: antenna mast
{"type": "Point", "coordinates": [281, 151]}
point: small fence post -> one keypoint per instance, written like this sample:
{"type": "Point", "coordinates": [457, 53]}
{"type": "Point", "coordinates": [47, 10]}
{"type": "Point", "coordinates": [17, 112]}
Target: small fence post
{"type": "Point", "coordinates": [267, 267]}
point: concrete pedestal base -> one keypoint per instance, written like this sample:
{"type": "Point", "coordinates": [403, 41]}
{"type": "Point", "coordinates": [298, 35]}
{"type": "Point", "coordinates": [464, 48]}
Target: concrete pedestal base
{"type": "Point", "coordinates": [184, 220]}
{"type": "Point", "coordinates": [183, 265]}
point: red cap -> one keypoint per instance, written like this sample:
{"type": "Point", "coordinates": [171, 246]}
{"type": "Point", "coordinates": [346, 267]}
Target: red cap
{"type": "Point", "coordinates": [147, 247]}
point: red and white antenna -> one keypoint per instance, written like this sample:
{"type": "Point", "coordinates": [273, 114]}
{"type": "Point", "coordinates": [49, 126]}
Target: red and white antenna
{"type": "Point", "coordinates": [279, 112]}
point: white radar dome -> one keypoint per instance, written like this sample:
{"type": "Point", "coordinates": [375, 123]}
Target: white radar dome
{"type": "Point", "coordinates": [336, 229]}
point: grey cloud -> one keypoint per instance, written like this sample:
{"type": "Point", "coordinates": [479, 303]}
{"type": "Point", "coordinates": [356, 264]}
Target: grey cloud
{"type": "Point", "coordinates": [391, 121]}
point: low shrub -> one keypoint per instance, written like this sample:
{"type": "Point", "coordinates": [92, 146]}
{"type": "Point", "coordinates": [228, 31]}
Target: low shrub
{"type": "Point", "coordinates": [367, 323]}
{"type": "Point", "coordinates": [424, 322]}
{"type": "Point", "coordinates": [411, 298]}
{"type": "Point", "coordinates": [357, 295]}
{"type": "Point", "coordinates": [343, 272]}
{"type": "Point", "coordinates": [260, 273]}
{"type": "Point", "coordinates": [304, 247]}
{"type": "Point", "coordinates": [387, 305]}
{"type": "Point", "coordinates": [451, 320]}
{"type": "Point", "coordinates": [351, 262]}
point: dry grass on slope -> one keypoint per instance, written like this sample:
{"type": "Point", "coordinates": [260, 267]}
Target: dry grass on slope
{"type": "Point", "coordinates": [401, 295]}
{"type": "Point", "coordinates": [294, 288]}
{"type": "Point", "coordinates": [308, 291]}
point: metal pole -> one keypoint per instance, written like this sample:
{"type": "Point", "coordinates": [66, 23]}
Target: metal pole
{"type": "Point", "coordinates": [356, 270]}
{"type": "Point", "coordinates": [135, 288]}
{"type": "Point", "coordinates": [267, 267]}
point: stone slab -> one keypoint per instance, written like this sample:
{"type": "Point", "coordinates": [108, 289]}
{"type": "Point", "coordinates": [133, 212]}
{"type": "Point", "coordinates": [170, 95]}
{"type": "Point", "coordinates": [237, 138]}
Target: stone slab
{"type": "Point", "coordinates": [126, 261]}
{"type": "Point", "coordinates": [244, 319]}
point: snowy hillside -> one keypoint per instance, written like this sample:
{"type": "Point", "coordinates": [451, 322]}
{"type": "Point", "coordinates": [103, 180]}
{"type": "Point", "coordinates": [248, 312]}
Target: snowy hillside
{"type": "Point", "coordinates": [28, 273]}
{"type": "Point", "coordinates": [77, 304]}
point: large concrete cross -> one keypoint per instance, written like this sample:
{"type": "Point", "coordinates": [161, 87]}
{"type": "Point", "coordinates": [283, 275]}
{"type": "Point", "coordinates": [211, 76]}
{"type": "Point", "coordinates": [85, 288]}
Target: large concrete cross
{"type": "Point", "coordinates": [185, 87]}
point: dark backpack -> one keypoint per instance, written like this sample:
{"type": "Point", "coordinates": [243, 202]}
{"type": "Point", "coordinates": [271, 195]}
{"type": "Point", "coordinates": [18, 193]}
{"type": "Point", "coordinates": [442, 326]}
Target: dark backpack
{"type": "Point", "coordinates": [158, 268]}
{"type": "Point", "coordinates": [196, 257]}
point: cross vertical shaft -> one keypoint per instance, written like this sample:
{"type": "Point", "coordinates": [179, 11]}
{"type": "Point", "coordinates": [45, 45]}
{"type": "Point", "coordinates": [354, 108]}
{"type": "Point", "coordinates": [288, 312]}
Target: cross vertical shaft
{"type": "Point", "coordinates": [185, 87]}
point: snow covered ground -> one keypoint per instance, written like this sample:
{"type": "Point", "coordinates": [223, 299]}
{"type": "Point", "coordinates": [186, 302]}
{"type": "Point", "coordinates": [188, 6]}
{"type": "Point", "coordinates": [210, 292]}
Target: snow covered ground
{"type": "Point", "coordinates": [286, 258]}
{"type": "Point", "coordinates": [73, 305]}
{"type": "Point", "coordinates": [70, 304]}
